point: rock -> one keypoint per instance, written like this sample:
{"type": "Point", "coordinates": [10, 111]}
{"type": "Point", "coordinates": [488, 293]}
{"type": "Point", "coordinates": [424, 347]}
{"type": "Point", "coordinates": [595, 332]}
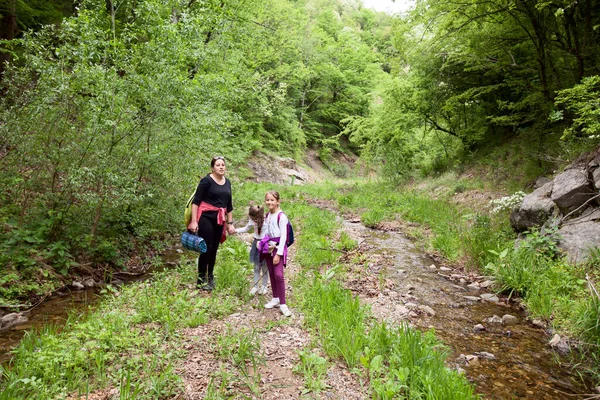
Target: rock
{"type": "Point", "coordinates": [427, 309]}
{"type": "Point", "coordinates": [77, 285]}
{"type": "Point", "coordinates": [89, 283]}
{"type": "Point", "coordinates": [541, 181]}
{"type": "Point", "coordinates": [402, 310]}
{"type": "Point", "coordinates": [486, 284]}
{"type": "Point", "coordinates": [179, 251]}
{"type": "Point", "coordinates": [472, 360]}
{"type": "Point", "coordinates": [9, 318]}
{"type": "Point", "coordinates": [508, 319]}
{"type": "Point", "coordinates": [433, 267]}
{"type": "Point", "coordinates": [474, 285]}
{"type": "Point", "coordinates": [555, 340]}
{"type": "Point", "coordinates": [479, 328]}
{"type": "Point", "coordinates": [596, 177]}
{"type": "Point", "coordinates": [536, 208]}
{"type": "Point", "coordinates": [12, 319]}
{"type": "Point", "coordinates": [445, 269]}
{"type": "Point", "coordinates": [413, 314]}
{"type": "Point", "coordinates": [412, 306]}
{"type": "Point", "coordinates": [472, 298]}
{"type": "Point", "coordinates": [559, 344]}
{"type": "Point", "coordinates": [538, 323]}
{"type": "Point", "coordinates": [578, 238]}
{"type": "Point", "coordinates": [597, 389]}
{"type": "Point", "coordinates": [571, 189]}
{"type": "Point", "coordinates": [492, 298]}
{"type": "Point", "coordinates": [485, 355]}
{"type": "Point", "coordinates": [494, 320]}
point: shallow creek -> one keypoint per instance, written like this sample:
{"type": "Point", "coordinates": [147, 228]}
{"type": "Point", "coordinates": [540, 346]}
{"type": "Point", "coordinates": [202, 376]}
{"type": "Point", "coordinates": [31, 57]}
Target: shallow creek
{"type": "Point", "coordinates": [524, 365]}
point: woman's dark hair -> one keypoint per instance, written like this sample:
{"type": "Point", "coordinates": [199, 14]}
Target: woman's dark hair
{"type": "Point", "coordinates": [257, 213]}
{"type": "Point", "coordinates": [214, 160]}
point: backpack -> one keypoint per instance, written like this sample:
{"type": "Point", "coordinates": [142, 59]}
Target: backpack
{"type": "Point", "coordinates": [187, 213]}
{"type": "Point", "coordinates": [290, 231]}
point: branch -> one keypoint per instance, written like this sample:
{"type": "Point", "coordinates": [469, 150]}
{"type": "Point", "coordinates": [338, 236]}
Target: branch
{"type": "Point", "coordinates": [579, 208]}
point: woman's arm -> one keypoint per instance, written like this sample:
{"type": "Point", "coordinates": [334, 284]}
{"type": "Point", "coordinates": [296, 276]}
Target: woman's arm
{"type": "Point", "coordinates": [229, 222]}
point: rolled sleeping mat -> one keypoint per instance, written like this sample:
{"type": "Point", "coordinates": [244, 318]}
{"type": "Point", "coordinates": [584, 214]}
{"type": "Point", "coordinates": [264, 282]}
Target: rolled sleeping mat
{"type": "Point", "coordinates": [193, 242]}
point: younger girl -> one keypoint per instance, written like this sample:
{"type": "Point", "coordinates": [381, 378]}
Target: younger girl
{"type": "Point", "coordinates": [276, 223]}
{"type": "Point", "coordinates": [257, 224]}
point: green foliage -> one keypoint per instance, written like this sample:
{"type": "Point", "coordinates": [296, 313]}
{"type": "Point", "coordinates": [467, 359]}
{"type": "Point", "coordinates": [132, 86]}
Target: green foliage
{"type": "Point", "coordinates": [403, 362]}
{"type": "Point", "coordinates": [582, 100]}
{"type": "Point", "coordinates": [241, 348]}
{"type": "Point", "coordinates": [313, 368]}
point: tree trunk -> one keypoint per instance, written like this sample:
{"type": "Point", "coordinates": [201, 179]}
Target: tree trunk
{"type": "Point", "coordinates": [8, 29]}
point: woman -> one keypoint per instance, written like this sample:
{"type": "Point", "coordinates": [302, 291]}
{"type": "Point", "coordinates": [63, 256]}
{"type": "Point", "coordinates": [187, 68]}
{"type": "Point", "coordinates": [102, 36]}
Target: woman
{"type": "Point", "coordinates": [211, 210]}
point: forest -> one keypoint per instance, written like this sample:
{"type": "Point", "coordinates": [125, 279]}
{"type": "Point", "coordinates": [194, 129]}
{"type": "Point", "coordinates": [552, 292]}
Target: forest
{"type": "Point", "coordinates": [110, 110]}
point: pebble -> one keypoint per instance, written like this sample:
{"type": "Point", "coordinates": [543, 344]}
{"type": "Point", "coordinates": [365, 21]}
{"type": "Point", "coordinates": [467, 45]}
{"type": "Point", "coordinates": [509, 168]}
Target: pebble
{"type": "Point", "coordinates": [494, 320]}
{"type": "Point", "coordinates": [445, 269]}
{"type": "Point", "coordinates": [472, 298]}
{"type": "Point", "coordinates": [492, 298]}
{"type": "Point", "coordinates": [427, 309]}
{"type": "Point", "coordinates": [479, 328]}
{"type": "Point", "coordinates": [508, 319]}
{"type": "Point", "coordinates": [486, 355]}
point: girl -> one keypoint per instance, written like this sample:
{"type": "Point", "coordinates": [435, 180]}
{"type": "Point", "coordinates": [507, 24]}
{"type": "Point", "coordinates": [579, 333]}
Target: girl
{"type": "Point", "coordinates": [257, 224]}
{"type": "Point", "coordinates": [276, 257]}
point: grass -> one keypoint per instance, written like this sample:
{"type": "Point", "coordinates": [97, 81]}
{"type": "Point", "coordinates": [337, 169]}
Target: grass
{"type": "Point", "coordinates": [550, 286]}
{"type": "Point", "coordinates": [130, 342]}
{"type": "Point", "coordinates": [143, 321]}
{"type": "Point", "coordinates": [396, 362]}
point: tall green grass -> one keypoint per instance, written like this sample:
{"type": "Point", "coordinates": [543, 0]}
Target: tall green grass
{"type": "Point", "coordinates": [549, 286]}
{"type": "Point", "coordinates": [397, 362]}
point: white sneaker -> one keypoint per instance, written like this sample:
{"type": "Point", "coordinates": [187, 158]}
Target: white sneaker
{"type": "Point", "coordinates": [262, 290]}
{"type": "Point", "coordinates": [285, 310]}
{"type": "Point", "coordinates": [273, 303]}
{"type": "Point", "coordinates": [253, 291]}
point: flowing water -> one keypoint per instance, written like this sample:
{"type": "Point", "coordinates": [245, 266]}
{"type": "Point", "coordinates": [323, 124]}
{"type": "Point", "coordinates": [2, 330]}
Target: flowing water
{"type": "Point", "coordinates": [525, 367]}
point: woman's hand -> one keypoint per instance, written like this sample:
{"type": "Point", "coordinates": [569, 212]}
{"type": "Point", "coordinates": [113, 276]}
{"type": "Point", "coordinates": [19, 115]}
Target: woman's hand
{"type": "Point", "coordinates": [231, 229]}
{"type": "Point", "coordinates": [276, 259]}
{"type": "Point", "coordinates": [193, 226]}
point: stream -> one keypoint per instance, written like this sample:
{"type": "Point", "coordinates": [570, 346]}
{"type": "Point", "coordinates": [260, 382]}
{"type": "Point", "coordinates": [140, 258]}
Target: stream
{"type": "Point", "coordinates": [524, 366]}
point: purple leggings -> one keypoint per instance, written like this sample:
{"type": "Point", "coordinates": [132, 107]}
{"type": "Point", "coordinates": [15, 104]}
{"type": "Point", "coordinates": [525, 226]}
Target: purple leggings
{"type": "Point", "coordinates": [276, 276]}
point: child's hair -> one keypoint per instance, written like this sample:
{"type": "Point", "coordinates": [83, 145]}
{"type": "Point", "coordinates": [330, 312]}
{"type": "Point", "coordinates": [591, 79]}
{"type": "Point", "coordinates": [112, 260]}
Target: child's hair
{"type": "Point", "coordinates": [273, 193]}
{"type": "Point", "coordinates": [257, 213]}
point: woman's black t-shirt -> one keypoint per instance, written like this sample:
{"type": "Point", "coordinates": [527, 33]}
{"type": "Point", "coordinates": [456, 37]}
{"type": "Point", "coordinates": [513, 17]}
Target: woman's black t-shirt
{"type": "Point", "coordinates": [210, 192]}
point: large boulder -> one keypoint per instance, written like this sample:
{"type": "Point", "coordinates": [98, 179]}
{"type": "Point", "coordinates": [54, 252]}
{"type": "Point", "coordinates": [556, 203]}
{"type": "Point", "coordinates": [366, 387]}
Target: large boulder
{"type": "Point", "coordinates": [580, 235]}
{"type": "Point", "coordinates": [571, 189]}
{"type": "Point", "coordinates": [536, 209]}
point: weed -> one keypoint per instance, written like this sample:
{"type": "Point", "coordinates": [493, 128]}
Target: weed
{"type": "Point", "coordinates": [313, 368]}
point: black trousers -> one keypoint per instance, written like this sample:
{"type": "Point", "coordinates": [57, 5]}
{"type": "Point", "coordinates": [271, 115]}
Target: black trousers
{"type": "Point", "coordinates": [211, 232]}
